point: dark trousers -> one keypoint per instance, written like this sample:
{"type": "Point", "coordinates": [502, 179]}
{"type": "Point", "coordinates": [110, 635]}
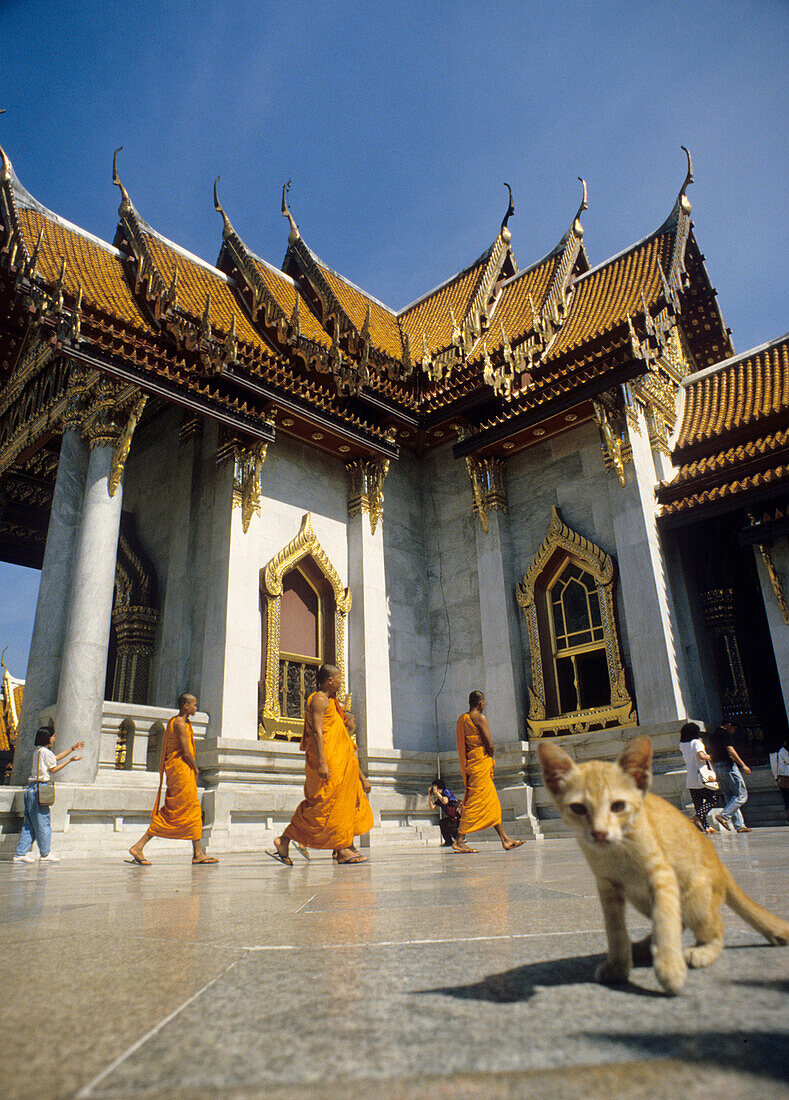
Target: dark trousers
{"type": "Point", "coordinates": [449, 830]}
{"type": "Point", "coordinates": [704, 800]}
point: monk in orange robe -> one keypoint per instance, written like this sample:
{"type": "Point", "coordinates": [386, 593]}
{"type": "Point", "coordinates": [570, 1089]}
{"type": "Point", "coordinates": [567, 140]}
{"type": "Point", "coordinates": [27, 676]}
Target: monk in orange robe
{"type": "Point", "coordinates": [481, 806]}
{"type": "Point", "coordinates": [179, 818]}
{"type": "Point", "coordinates": [335, 807]}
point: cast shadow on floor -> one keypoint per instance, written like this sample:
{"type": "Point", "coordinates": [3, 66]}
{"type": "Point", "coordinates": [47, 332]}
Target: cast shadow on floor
{"type": "Point", "coordinates": [522, 982]}
{"type": "Point", "coordinates": [760, 1053]}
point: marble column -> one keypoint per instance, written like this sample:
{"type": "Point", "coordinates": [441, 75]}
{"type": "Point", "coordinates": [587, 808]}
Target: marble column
{"type": "Point", "coordinates": [368, 637]}
{"type": "Point", "coordinates": [655, 661]}
{"type": "Point", "coordinates": [84, 669]}
{"type": "Point", "coordinates": [49, 627]}
{"type": "Point", "coordinates": [502, 659]}
{"type": "Point", "coordinates": [778, 553]}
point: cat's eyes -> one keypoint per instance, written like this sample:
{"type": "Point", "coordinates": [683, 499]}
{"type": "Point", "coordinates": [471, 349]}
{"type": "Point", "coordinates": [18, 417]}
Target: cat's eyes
{"type": "Point", "coordinates": [617, 806]}
{"type": "Point", "coordinates": [578, 808]}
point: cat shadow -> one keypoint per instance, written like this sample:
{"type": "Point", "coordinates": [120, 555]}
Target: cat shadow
{"type": "Point", "coordinates": [522, 982]}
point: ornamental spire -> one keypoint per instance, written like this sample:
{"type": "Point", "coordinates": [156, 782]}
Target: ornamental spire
{"type": "Point", "coordinates": [126, 205]}
{"type": "Point", "coordinates": [504, 231]}
{"type": "Point", "coordinates": [228, 229]}
{"type": "Point", "coordinates": [294, 229]}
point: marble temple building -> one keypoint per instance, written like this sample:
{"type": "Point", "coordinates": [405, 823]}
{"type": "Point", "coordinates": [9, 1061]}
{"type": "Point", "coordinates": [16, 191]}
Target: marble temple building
{"type": "Point", "coordinates": [550, 479]}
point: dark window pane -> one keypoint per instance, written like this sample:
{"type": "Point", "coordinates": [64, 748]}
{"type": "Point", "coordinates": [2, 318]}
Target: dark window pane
{"type": "Point", "coordinates": [575, 607]}
{"type": "Point", "coordinates": [594, 608]}
{"type": "Point", "coordinates": [568, 699]}
{"type": "Point", "coordinates": [593, 682]}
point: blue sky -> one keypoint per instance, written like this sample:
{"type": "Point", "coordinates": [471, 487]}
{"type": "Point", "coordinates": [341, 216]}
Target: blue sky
{"type": "Point", "coordinates": [398, 123]}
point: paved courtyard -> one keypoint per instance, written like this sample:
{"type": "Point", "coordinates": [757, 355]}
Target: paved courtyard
{"type": "Point", "coordinates": [419, 973]}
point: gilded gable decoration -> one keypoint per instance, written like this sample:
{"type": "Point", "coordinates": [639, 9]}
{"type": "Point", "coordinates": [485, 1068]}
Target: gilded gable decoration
{"type": "Point", "coordinates": [613, 438]}
{"type": "Point", "coordinates": [273, 721]}
{"type": "Point", "coordinates": [488, 487]}
{"type": "Point", "coordinates": [567, 595]}
{"type": "Point", "coordinates": [365, 489]}
{"type": "Point", "coordinates": [193, 334]}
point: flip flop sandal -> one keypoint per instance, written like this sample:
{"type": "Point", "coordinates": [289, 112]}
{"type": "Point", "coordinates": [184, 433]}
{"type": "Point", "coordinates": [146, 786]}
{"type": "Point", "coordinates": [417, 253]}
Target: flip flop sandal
{"type": "Point", "coordinates": [353, 859]}
{"type": "Point", "coordinates": [301, 850]}
{"type": "Point", "coordinates": [208, 859]}
{"type": "Point", "coordinates": [280, 859]}
{"type": "Point", "coordinates": [140, 860]}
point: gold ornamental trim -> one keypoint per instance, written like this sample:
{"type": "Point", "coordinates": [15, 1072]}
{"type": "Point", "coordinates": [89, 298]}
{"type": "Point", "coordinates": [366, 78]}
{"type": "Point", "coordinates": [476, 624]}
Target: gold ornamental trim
{"type": "Point", "coordinates": [366, 489]}
{"type": "Point", "coordinates": [602, 568]}
{"type": "Point", "coordinates": [305, 544]}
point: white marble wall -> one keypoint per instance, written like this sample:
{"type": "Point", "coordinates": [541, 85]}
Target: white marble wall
{"type": "Point", "coordinates": [405, 534]}
{"type": "Point", "coordinates": [454, 608]}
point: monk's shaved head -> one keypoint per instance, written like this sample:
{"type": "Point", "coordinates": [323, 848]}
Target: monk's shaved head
{"type": "Point", "coordinates": [186, 697]}
{"type": "Point", "coordinates": [325, 672]}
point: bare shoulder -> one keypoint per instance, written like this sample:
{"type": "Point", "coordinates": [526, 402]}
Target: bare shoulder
{"type": "Point", "coordinates": [319, 702]}
{"type": "Point", "coordinates": [180, 724]}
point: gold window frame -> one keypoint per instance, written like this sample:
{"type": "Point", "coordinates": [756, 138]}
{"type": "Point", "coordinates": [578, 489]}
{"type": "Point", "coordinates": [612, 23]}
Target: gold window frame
{"type": "Point", "coordinates": [272, 722]}
{"type": "Point", "coordinates": [602, 568]}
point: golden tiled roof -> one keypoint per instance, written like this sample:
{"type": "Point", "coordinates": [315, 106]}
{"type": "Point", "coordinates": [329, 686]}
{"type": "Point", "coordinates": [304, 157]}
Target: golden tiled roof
{"type": "Point", "coordinates": [605, 296]}
{"type": "Point", "coordinates": [734, 438]}
{"type": "Point", "coordinates": [431, 316]}
{"type": "Point", "coordinates": [97, 267]}
{"type": "Point", "coordinates": [196, 281]}
{"type": "Point", "coordinates": [734, 394]}
{"type": "Point", "coordinates": [384, 331]}
{"type": "Point", "coordinates": [284, 292]}
{"type": "Point", "coordinates": [514, 308]}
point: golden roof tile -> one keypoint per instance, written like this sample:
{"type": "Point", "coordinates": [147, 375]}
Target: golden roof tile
{"type": "Point", "coordinates": [431, 315]}
{"type": "Point", "coordinates": [384, 331]}
{"type": "Point", "coordinates": [97, 267]}
{"type": "Point", "coordinates": [284, 292]}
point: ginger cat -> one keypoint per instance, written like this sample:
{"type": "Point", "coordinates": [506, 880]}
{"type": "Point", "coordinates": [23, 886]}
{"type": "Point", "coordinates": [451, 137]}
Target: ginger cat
{"type": "Point", "coordinates": [643, 850]}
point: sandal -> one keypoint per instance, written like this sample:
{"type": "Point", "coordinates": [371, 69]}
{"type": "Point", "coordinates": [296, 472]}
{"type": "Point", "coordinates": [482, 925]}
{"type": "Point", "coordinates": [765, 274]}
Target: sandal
{"type": "Point", "coordinates": [301, 850]}
{"type": "Point", "coordinates": [143, 862]}
{"type": "Point", "coordinates": [280, 859]}
{"type": "Point", "coordinates": [206, 859]}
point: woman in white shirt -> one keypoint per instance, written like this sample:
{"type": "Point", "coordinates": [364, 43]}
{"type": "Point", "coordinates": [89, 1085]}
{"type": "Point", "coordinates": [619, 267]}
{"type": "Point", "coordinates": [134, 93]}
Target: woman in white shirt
{"type": "Point", "coordinates": [37, 826]}
{"type": "Point", "coordinates": [779, 763]}
{"type": "Point", "coordinates": [704, 800]}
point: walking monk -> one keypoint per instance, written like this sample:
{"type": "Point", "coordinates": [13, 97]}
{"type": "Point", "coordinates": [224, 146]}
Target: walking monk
{"type": "Point", "coordinates": [481, 806]}
{"type": "Point", "coordinates": [179, 818]}
{"type": "Point", "coordinates": [335, 807]}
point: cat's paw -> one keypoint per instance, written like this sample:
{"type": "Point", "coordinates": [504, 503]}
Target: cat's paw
{"type": "Point", "coordinates": [671, 972]}
{"type": "Point", "coordinates": [612, 973]}
{"type": "Point", "coordinates": [702, 954]}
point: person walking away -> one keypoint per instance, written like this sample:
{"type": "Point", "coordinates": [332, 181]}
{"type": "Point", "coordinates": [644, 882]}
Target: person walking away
{"type": "Point", "coordinates": [729, 767]}
{"type": "Point", "coordinates": [704, 798]}
{"type": "Point", "coordinates": [180, 817]}
{"type": "Point", "coordinates": [37, 825]}
{"type": "Point", "coordinates": [481, 806]}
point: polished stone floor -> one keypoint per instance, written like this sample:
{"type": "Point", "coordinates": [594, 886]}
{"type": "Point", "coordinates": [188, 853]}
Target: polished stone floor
{"type": "Point", "coordinates": [419, 973]}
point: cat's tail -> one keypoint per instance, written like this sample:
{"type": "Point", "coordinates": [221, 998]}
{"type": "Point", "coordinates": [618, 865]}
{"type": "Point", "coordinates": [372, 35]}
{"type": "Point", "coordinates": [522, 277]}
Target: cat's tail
{"type": "Point", "coordinates": [771, 927]}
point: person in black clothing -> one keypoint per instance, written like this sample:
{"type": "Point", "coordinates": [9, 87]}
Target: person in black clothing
{"type": "Point", "coordinates": [442, 799]}
{"type": "Point", "coordinates": [727, 763]}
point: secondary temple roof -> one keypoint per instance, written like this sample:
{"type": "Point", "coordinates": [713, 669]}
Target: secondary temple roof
{"type": "Point", "coordinates": [494, 358]}
{"type": "Point", "coordinates": [733, 442]}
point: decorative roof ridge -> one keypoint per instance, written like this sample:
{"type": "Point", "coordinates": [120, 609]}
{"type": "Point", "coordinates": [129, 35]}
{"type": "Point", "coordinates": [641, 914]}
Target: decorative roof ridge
{"type": "Point", "coordinates": [528, 270]}
{"type": "Point", "coordinates": [732, 360]}
{"type": "Point", "coordinates": [682, 205]}
{"type": "Point", "coordinates": [183, 252]}
{"type": "Point", "coordinates": [619, 255]}
{"type": "Point", "coordinates": [24, 200]}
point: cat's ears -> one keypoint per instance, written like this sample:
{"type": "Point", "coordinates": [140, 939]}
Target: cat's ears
{"type": "Point", "coordinates": [556, 765]}
{"type": "Point", "coordinates": [636, 761]}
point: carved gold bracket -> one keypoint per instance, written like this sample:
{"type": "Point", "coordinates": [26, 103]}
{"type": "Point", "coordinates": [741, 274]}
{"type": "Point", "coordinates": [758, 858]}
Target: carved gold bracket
{"type": "Point", "coordinates": [488, 487]}
{"type": "Point", "coordinates": [121, 449]}
{"type": "Point", "coordinates": [615, 448]}
{"type": "Point", "coordinates": [304, 544]}
{"type": "Point", "coordinates": [365, 489]}
{"type": "Point", "coordinates": [561, 538]}
{"type": "Point", "coordinates": [775, 581]}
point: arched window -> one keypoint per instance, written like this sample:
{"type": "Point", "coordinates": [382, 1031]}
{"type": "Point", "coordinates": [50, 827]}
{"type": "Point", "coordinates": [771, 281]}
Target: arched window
{"type": "Point", "coordinates": [304, 607]}
{"type": "Point", "coordinates": [578, 680]}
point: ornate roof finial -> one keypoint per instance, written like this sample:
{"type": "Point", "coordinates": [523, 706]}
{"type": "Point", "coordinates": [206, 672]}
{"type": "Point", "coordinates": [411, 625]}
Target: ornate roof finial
{"type": "Point", "coordinates": [5, 166]}
{"type": "Point", "coordinates": [228, 229]}
{"type": "Point", "coordinates": [504, 231]}
{"type": "Point", "coordinates": [578, 229]}
{"type": "Point", "coordinates": [294, 229]}
{"type": "Point", "coordinates": [682, 198]}
{"type": "Point", "coordinates": [126, 203]}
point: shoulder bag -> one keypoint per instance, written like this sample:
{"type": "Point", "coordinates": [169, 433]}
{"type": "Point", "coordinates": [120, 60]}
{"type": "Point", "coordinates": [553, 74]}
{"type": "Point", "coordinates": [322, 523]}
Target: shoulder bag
{"type": "Point", "coordinates": [707, 776]}
{"type": "Point", "coordinates": [46, 788]}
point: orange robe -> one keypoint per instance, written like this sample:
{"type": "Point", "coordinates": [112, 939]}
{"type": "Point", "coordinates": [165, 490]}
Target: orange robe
{"type": "Point", "coordinates": [332, 813]}
{"type": "Point", "coordinates": [179, 818]}
{"type": "Point", "coordinates": [481, 806]}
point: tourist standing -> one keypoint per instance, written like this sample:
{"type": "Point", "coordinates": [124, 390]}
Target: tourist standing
{"type": "Point", "coordinates": [37, 825]}
{"type": "Point", "coordinates": [779, 764]}
{"type": "Point", "coordinates": [729, 768]}
{"type": "Point", "coordinates": [180, 817]}
{"type": "Point", "coordinates": [481, 806]}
